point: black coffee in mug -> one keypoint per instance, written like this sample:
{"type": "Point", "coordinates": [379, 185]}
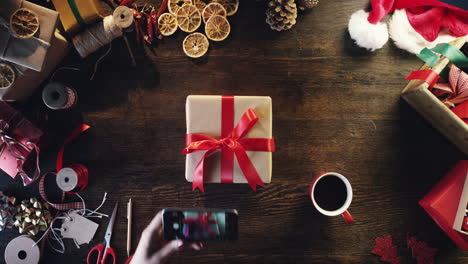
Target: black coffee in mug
{"type": "Point", "coordinates": [330, 193]}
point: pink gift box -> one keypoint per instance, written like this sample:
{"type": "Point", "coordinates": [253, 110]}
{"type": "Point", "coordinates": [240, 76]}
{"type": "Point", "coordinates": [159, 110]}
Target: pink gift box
{"type": "Point", "coordinates": [15, 126]}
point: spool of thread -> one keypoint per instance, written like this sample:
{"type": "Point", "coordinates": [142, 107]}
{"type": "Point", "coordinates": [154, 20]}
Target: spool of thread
{"type": "Point", "coordinates": [58, 96]}
{"type": "Point", "coordinates": [73, 179]}
{"type": "Point", "coordinates": [123, 17]}
{"type": "Point", "coordinates": [97, 36]}
{"type": "Point", "coordinates": [22, 250]}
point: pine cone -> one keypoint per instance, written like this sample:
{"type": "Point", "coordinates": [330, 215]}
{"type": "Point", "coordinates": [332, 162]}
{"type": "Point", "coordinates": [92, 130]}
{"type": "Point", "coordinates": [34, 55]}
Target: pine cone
{"type": "Point", "coordinates": [307, 4]}
{"type": "Point", "coordinates": [281, 14]}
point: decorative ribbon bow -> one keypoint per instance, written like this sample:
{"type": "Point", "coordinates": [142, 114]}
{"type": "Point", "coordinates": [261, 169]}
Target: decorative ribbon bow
{"type": "Point", "coordinates": [202, 222]}
{"type": "Point", "coordinates": [232, 144]}
{"type": "Point", "coordinates": [456, 90]}
{"type": "Point", "coordinates": [15, 148]}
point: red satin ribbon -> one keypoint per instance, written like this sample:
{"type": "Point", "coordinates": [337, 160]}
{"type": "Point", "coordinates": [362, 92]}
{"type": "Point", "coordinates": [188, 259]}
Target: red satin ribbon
{"type": "Point", "coordinates": [59, 165]}
{"type": "Point", "coordinates": [429, 76]}
{"type": "Point", "coordinates": [202, 222]}
{"type": "Point", "coordinates": [231, 143]}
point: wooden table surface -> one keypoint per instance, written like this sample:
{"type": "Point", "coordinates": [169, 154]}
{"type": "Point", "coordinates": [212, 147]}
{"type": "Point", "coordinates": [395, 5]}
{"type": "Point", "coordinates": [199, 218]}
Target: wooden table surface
{"type": "Point", "coordinates": [335, 108]}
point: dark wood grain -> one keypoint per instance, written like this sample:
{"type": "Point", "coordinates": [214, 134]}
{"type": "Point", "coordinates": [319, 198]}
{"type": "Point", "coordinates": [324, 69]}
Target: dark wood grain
{"type": "Point", "coordinates": [335, 108]}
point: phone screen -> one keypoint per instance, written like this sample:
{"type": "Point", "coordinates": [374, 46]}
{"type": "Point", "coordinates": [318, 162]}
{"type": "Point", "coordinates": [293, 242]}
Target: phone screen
{"type": "Point", "coordinates": [200, 225]}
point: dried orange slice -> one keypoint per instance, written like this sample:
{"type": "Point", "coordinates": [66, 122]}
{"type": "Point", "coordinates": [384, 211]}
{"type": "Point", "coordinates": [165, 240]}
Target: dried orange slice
{"type": "Point", "coordinates": [217, 28]}
{"type": "Point", "coordinates": [188, 18]}
{"type": "Point", "coordinates": [7, 75]}
{"type": "Point", "coordinates": [231, 6]}
{"type": "Point", "coordinates": [195, 45]}
{"type": "Point", "coordinates": [213, 9]}
{"type": "Point", "coordinates": [167, 24]}
{"type": "Point", "coordinates": [24, 23]}
{"type": "Point", "coordinates": [200, 4]}
{"type": "Point", "coordinates": [174, 5]}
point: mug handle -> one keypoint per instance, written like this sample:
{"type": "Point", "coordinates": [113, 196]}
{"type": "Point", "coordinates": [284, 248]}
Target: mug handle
{"type": "Point", "coordinates": [347, 217]}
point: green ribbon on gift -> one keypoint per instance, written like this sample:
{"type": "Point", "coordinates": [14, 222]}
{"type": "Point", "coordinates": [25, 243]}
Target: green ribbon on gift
{"type": "Point", "coordinates": [76, 12]}
{"type": "Point", "coordinates": [455, 55]}
{"type": "Point", "coordinates": [428, 56]}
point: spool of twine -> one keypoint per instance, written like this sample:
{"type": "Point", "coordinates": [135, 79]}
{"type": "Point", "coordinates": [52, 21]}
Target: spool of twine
{"type": "Point", "coordinates": [97, 36]}
{"type": "Point", "coordinates": [123, 17]}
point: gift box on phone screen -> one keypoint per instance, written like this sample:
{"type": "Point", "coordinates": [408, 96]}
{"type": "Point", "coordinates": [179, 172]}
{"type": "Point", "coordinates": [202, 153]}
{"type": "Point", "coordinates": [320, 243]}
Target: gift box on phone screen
{"type": "Point", "coordinates": [19, 144]}
{"type": "Point", "coordinates": [446, 203]}
{"type": "Point", "coordinates": [439, 90]}
{"type": "Point", "coordinates": [229, 140]}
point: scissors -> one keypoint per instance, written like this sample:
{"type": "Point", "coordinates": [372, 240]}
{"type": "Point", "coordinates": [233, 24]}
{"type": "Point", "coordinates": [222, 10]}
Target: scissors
{"type": "Point", "coordinates": [104, 249]}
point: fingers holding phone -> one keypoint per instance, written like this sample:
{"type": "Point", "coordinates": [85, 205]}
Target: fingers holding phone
{"type": "Point", "coordinates": [153, 250]}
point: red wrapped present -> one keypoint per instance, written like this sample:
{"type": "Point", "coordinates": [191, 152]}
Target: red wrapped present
{"type": "Point", "coordinates": [443, 201]}
{"type": "Point", "coordinates": [19, 139]}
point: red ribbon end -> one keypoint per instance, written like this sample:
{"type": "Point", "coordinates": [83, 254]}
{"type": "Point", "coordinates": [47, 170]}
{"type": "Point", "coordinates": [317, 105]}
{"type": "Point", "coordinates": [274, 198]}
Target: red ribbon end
{"type": "Point", "coordinates": [200, 187]}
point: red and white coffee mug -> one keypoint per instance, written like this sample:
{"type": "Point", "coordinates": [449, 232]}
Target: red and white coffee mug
{"type": "Point", "coordinates": [343, 210]}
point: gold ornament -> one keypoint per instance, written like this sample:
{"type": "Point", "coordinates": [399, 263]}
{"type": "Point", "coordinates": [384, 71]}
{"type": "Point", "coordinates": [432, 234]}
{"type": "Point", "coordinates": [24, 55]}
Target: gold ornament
{"type": "Point", "coordinates": [32, 217]}
{"type": "Point", "coordinates": [281, 14]}
{"type": "Point", "coordinates": [307, 4]}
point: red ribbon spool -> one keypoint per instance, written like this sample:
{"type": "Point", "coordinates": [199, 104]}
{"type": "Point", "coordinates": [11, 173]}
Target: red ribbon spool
{"type": "Point", "coordinates": [73, 179]}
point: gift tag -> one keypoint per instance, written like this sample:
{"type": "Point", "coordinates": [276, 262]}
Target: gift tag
{"type": "Point", "coordinates": [79, 228]}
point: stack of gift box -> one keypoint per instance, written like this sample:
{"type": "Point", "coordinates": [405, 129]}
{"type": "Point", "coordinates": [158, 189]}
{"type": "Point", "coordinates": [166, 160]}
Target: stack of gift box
{"type": "Point", "coordinates": [32, 45]}
{"type": "Point", "coordinates": [33, 58]}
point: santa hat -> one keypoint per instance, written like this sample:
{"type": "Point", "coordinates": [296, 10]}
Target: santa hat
{"type": "Point", "coordinates": [415, 24]}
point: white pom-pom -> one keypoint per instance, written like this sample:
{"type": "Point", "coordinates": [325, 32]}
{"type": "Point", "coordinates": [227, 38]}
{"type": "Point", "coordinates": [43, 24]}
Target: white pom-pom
{"type": "Point", "coordinates": [405, 37]}
{"type": "Point", "coordinates": [365, 34]}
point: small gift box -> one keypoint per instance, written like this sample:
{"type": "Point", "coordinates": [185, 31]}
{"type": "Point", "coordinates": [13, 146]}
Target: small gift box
{"type": "Point", "coordinates": [422, 96]}
{"type": "Point", "coordinates": [460, 223]}
{"type": "Point", "coordinates": [19, 143]}
{"type": "Point", "coordinates": [443, 201]}
{"type": "Point", "coordinates": [229, 140]}
{"type": "Point", "coordinates": [29, 53]}
{"type": "Point", "coordinates": [77, 14]}
{"type": "Point", "coordinates": [28, 80]}
{"type": "Point", "coordinates": [202, 225]}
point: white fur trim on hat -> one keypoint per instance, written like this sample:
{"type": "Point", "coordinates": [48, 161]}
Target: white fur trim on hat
{"type": "Point", "coordinates": [365, 34]}
{"type": "Point", "coordinates": [405, 37]}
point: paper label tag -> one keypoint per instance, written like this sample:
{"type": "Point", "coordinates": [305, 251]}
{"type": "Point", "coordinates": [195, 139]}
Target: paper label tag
{"type": "Point", "coordinates": [79, 228]}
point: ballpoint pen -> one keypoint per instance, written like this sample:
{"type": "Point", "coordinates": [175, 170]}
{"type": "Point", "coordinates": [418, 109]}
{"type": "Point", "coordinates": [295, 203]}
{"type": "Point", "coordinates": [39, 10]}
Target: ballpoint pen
{"type": "Point", "coordinates": [129, 226]}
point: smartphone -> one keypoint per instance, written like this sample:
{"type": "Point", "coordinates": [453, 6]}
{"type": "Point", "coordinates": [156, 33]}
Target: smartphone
{"type": "Point", "coordinates": [200, 224]}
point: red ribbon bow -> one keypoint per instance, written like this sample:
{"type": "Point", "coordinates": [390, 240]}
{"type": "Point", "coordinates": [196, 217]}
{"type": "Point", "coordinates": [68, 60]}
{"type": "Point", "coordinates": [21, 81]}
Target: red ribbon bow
{"type": "Point", "coordinates": [202, 222]}
{"type": "Point", "coordinates": [231, 143]}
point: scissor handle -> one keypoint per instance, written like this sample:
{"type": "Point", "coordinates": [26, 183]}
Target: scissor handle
{"type": "Point", "coordinates": [99, 248]}
{"type": "Point", "coordinates": [109, 251]}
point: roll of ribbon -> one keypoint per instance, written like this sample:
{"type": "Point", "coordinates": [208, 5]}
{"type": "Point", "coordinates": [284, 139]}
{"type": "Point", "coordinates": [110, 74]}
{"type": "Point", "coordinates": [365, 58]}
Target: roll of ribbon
{"type": "Point", "coordinates": [58, 96]}
{"type": "Point", "coordinates": [22, 250]}
{"type": "Point", "coordinates": [73, 179]}
{"type": "Point", "coordinates": [123, 17]}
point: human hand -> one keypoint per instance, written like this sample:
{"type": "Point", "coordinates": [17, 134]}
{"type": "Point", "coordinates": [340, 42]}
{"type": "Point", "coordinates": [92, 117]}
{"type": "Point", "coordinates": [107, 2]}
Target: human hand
{"type": "Point", "coordinates": [153, 250]}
